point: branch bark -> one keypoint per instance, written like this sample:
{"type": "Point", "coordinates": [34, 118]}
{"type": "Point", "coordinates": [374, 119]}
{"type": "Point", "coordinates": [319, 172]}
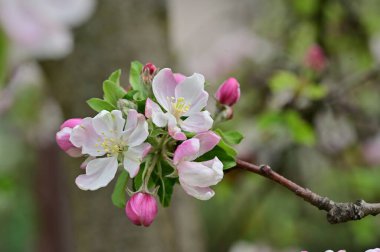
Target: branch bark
{"type": "Point", "coordinates": [337, 212]}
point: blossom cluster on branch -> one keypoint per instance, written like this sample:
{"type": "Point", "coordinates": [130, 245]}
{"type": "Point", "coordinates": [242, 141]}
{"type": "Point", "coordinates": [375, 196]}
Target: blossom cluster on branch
{"type": "Point", "coordinates": [152, 136]}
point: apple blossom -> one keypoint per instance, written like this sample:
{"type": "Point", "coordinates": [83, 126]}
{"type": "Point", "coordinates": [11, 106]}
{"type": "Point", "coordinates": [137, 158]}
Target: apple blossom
{"type": "Point", "coordinates": [373, 250]}
{"type": "Point", "coordinates": [106, 138]}
{"type": "Point", "coordinates": [141, 209]}
{"type": "Point", "coordinates": [229, 92]}
{"type": "Point", "coordinates": [179, 100]}
{"type": "Point", "coordinates": [196, 177]}
{"type": "Point", "coordinates": [63, 137]}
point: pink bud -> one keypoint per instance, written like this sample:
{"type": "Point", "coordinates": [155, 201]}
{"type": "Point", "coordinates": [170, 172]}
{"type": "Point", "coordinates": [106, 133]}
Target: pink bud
{"type": "Point", "coordinates": [149, 68]}
{"type": "Point", "coordinates": [179, 77]}
{"type": "Point", "coordinates": [229, 92]}
{"type": "Point", "coordinates": [63, 137]}
{"type": "Point", "coordinates": [141, 209]}
{"type": "Point", "coordinates": [315, 58]}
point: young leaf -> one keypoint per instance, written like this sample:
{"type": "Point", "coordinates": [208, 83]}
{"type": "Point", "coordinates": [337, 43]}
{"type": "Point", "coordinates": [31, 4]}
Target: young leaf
{"type": "Point", "coordinates": [227, 160]}
{"type": "Point", "coordinates": [230, 137]}
{"type": "Point", "coordinates": [165, 190]}
{"type": "Point", "coordinates": [115, 77]}
{"type": "Point", "coordinates": [134, 76]}
{"type": "Point", "coordinates": [99, 105]}
{"type": "Point", "coordinates": [112, 92]}
{"type": "Point", "coordinates": [119, 197]}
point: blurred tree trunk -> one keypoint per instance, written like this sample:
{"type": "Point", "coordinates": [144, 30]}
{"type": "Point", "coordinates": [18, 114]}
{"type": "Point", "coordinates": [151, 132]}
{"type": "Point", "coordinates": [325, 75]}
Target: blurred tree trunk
{"type": "Point", "coordinates": [120, 31]}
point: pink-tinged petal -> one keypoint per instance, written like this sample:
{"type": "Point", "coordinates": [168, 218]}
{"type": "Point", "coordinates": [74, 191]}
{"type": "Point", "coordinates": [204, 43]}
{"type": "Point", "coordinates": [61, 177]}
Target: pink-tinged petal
{"type": "Point", "coordinates": [86, 161]}
{"type": "Point", "coordinates": [136, 136]}
{"type": "Point", "coordinates": [153, 110]}
{"type": "Point", "coordinates": [84, 136]}
{"type": "Point", "coordinates": [71, 123]}
{"type": "Point", "coordinates": [201, 174]}
{"type": "Point", "coordinates": [201, 193]}
{"type": "Point", "coordinates": [133, 158]}
{"type": "Point", "coordinates": [192, 90]}
{"type": "Point", "coordinates": [174, 130]}
{"type": "Point", "coordinates": [131, 120]}
{"type": "Point", "coordinates": [109, 124]}
{"type": "Point", "coordinates": [186, 151]}
{"type": "Point", "coordinates": [179, 77]}
{"type": "Point", "coordinates": [63, 139]}
{"type": "Point", "coordinates": [141, 209]}
{"type": "Point", "coordinates": [99, 172]}
{"type": "Point", "coordinates": [163, 86]}
{"type": "Point", "coordinates": [197, 122]}
{"type": "Point", "coordinates": [208, 140]}
{"type": "Point", "coordinates": [74, 152]}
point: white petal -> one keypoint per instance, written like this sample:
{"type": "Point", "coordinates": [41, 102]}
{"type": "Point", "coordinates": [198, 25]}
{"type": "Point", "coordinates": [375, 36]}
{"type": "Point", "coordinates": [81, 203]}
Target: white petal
{"type": "Point", "coordinates": [201, 193]}
{"type": "Point", "coordinates": [201, 173]}
{"type": "Point", "coordinates": [109, 124]}
{"type": "Point", "coordinates": [133, 158]}
{"type": "Point", "coordinates": [99, 172]}
{"type": "Point", "coordinates": [174, 130]}
{"type": "Point", "coordinates": [136, 136]}
{"type": "Point", "coordinates": [84, 136]}
{"type": "Point", "coordinates": [163, 86]}
{"type": "Point", "coordinates": [197, 122]}
{"type": "Point", "coordinates": [192, 89]}
{"type": "Point", "coordinates": [153, 110]}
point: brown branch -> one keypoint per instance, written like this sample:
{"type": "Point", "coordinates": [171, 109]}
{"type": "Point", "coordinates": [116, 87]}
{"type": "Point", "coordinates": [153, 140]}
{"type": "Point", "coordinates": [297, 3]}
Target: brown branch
{"type": "Point", "coordinates": [337, 212]}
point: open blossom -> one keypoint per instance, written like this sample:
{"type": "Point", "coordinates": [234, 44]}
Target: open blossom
{"type": "Point", "coordinates": [229, 92]}
{"type": "Point", "coordinates": [141, 209]}
{"type": "Point", "coordinates": [183, 103]}
{"type": "Point", "coordinates": [197, 177]}
{"type": "Point", "coordinates": [373, 250]}
{"type": "Point", "coordinates": [106, 138]}
{"type": "Point", "coordinates": [63, 137]}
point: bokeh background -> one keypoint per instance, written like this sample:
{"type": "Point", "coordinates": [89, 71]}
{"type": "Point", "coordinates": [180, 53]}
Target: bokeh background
{"type": "Point", "coordinates": [310, 107]}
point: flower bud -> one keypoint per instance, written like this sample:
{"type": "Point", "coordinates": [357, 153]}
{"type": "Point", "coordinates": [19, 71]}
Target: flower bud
{"type": "Point", "coordinates": [229, 92]}
{"type": "Point", "coordinates": [148, 72]}
{"type": "Point", "coordinates": [315, 58]}
{"type": "Point", "coordinates": [141, 209]}
{"type": "Point", "coordinates": [63, 137]}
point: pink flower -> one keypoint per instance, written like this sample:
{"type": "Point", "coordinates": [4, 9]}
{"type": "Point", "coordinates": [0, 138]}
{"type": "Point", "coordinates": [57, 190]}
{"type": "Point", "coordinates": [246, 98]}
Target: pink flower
{"type": "Point", "coordinates": [179, 77]}
{"type": "Point", "coordinates": [229, 92]}
{"type": "Point", "coordinates": [141, 209]}
{"type": "Point", "coordinates": [183, 103]}
{"type": "Point", "coordinates": [63, 137]}
{"type": "Point", "coordinates": [315, 58]}
{"type": "Point", "coordinates": [373, 250]}
{"type": "Point", "coordinates": [196, 177]}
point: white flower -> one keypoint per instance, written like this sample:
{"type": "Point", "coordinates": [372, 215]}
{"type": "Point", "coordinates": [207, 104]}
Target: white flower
{"type": "Point", "coordinates": [196, 177]}
{"type": "Point", "coordinates": [110, 139]}
{"type": "Point", "coordinates": [41, 28]}
{"type": "Point", "coordinates": [180, 100]}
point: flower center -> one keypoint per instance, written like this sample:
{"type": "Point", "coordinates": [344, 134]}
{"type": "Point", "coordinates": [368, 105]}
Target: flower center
{"type": "Point", "coordinates": [179, 106]}
{"type": "Point", "coordinates": [111, 146]}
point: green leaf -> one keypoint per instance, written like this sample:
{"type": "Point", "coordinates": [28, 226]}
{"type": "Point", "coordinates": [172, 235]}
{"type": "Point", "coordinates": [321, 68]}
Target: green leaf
{"type": "Point", "coordinates": [230, 137]}
{"type": "Point", "coordinates": [119, 197]}
{"type": "Point", "coordinates": [227, 148]}
{"type": "Point", "coordinates": [227, 160]}
{"type": "Point", "coordinates": [99, 105]}
{"type": "Point", "coordinates": [113, 92]}
{"type": "Point", "coordinates": [115, 77]}
{"type": "Point", "coordinates": [131, 94]}
{"type": "Point", "coordinates": [165, 190]}
{"type": "Point", "coordinates": [134, 76]}
{"type": "Point", "coordinates": [301, 131]}
{"type": "Point", "coordinates": [3, 56]}
{"type": "Point", "coordinates": [315, 92]}
{"type": "Point", "coordinates": [283, 81]}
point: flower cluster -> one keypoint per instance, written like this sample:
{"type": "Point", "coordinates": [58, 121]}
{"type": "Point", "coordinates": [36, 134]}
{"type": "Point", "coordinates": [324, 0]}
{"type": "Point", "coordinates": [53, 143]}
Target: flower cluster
{"type": "Point", "coordinates": [156, 135]}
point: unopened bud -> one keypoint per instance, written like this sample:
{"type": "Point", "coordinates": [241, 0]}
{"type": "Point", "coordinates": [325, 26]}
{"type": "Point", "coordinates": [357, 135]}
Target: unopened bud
{"type": "Point", "coordinates": [229, 92]}
{"type": "Point", "coordinates": [63, 137]}
{"type": "Point", "coordinates": [315, 58]}
{"type": "Point", "coordinates": [148, 72]}
{"type": "Point", "coordinates": [141, 209]}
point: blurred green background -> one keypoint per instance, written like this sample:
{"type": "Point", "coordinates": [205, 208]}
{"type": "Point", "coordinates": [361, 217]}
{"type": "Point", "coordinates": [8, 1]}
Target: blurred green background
{"type": "Point", "coordinates": [310, 108]}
